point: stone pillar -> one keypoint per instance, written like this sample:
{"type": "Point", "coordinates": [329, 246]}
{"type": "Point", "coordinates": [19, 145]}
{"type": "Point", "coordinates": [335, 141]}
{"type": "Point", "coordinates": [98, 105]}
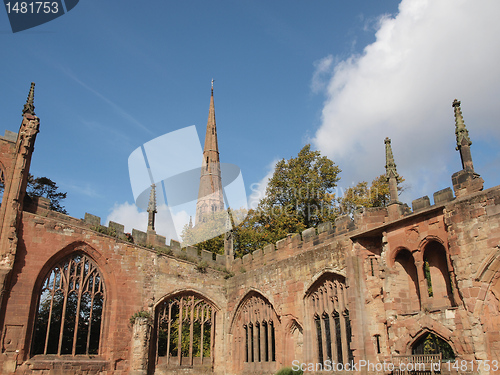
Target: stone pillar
{"type": "Point", "coordinates": [139, 348]}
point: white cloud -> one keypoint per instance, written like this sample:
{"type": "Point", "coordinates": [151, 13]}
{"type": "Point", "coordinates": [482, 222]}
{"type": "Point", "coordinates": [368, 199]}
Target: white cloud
{"type": "Point", "coordinates": [402, 86]}
{"type": "Point", "coordinates": [167, 224]}
{"type": "Point", "coordinates": [259, 188]}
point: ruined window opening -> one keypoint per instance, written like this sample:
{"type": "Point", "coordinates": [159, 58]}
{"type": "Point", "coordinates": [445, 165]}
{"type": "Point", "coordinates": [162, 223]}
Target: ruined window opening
{"type": "Point", "coordinates": [257, 314]}
{"type": "Point", "coordinates": [273, 344]}
{"type": "Point", "coordinates": [251, 342]}
{"type": "Point", "coordinates": [266, 341]}
{"type": "Point", "coordinates": [246, 343]}
{"type": "Point", "coordinates": [431, 343]}
{"type": "Point", "coordinates": [377, 343]}
{"type": "Point", "coordinates": [348, 335]}
{"type": "Point", "coordinates": [437, 273]}
{"type": "Point", "coordinates": [207, 164]}
{"type": "Point", "coordinates": [328, 351]}
{"type": "Point", "coordinates": [186, 330]}
{"type": "Point", "coordinates": [371, 266]}
{"type": "Point", "coordinates": [427, 273]}
{"type": "Point", "coordinates": [327, 303]}
{"type": "Point", "coordinates": [317, 320]}
{"type": "Point", "coordinates": [2, 186]}
{"type": "Point", "coordinates": [70, 307]}
{"type": "Point", "coordinates": [338, 335]}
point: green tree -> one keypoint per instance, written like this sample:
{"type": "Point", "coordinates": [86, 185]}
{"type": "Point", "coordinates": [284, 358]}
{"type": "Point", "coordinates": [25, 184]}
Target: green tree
{"type": "Point", "coordinates": [299, 195]}
{"type": "Point", "coordinates": [45, 187]}
{"type": "Point", "coordinates": [377, 195]}
{"type": "Point", "coordinates": [302, 187]}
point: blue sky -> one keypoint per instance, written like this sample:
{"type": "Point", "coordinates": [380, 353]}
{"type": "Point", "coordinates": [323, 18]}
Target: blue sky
{"type": "Point", "coordinates": [341, 75]}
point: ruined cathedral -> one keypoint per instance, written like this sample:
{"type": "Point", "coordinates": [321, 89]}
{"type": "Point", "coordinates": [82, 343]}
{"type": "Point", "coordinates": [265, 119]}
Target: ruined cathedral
{"type": "Point", "coordinates": [366, 294]}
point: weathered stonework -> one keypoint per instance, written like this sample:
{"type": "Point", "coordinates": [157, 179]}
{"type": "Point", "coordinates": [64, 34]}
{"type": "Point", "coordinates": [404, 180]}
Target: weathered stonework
{"type": "Point", "coordinates": [366, 288]}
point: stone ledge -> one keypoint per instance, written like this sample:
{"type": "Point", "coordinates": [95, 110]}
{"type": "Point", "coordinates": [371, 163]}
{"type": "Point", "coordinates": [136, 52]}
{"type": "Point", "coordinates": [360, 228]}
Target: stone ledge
{"type": "Point", "coordinates": [83, 363]}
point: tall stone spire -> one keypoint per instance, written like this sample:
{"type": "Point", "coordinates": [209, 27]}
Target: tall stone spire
{"type": "Point", "coordinates": [463, 140]}
{"type": "Point", "coordinates": [152, 208]}
{"type": "Point", "coordinates": [29, 107]}
{"type": "Point", "coordinates": [390, 171]}
{"type": "Point", "coordinates": [210, 198]}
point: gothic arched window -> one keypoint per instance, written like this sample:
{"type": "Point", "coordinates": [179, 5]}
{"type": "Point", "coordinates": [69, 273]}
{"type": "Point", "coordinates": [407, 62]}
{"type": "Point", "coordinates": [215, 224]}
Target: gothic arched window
{"type": "Point", "coordinates": [185, 331]}
{"type": "Point", "coordinates": [327, 306]}
{"type": "Point", "coordinates": [255, 328]}
{"type": "Point", "coordinates": [70, 308]}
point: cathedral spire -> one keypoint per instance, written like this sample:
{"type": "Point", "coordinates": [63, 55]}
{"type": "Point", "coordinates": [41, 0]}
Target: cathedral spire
{"type": "Point", "coordinates": [210, 199]}
{"type": "Point", "coordinates": [463, 140]}
{"type": "Point", "coordinates": [152, 208]}
{"type": "Point", "coordinates": [390, 171]}
{"type": "Point", "coordinates": [29, 107]}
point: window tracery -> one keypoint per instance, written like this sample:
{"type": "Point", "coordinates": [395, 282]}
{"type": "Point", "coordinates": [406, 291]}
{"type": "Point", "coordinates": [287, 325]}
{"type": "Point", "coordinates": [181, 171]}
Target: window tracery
{"type": "Point", "coordinates": [186, 331]}
{"type": "Point", "coordinates": [70, 308]}
{"type": "Point", "coordinates": [327, 305]}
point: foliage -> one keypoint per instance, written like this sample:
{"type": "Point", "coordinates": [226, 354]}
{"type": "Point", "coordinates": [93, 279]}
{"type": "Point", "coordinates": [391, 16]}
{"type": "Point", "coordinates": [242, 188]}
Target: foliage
{"type": "Point", "coordinates": [185, 335]}
{"type": "Point", "coordinates": [299, 195]}
{"type": "Point", "coordinates": [104, 230]}
{"type": "Point", "coordinates": [202, 267]}
{"type": "Point", "coordinates": [427, 273]}
{"type": "Point", "coordinates": [377, 195]}
{"type": "Point", "coordinates": [200, 236]}
{"type": "Point", "coordinates": [289, 371]}
{"type": "Point", "coordinates": [433, 344]}
{"type": "Point", "coordinates": [303, 188]}
{"type": "Point", "coordinates": [45, 187]}
{"type": "Point", "coordinates": [141, 314]}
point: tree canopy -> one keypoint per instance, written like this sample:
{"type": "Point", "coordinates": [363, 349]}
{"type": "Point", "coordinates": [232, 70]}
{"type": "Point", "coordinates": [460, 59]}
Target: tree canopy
{"type": "Point", "coordinates": [45, 187]}
{"type": "Point", "coordinates": [377, 195]}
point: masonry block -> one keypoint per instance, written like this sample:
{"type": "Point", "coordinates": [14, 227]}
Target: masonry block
{"type": "Point", "coordinates": [308, 234]}
{"type": "Point", "coordinates": [140, 237]}
{"type": "Point", "coordinates": [220, 259]}
{"type": "Point", "coordinates": [247, 258]}
{"type": "Point", "coordinates": [420, 203]}
{"type": "Point", "coordinates": [192, 252]}
{"type": "Point", "coordinates": [325, 227]}
{"type": "Point", "coordinates": [92, 219]}
{"type": "Point", "coordinates": [268, 249]}
{"type": "Point", "coordinates": [119, 228]}
{"type": "Point", "coordinates": [175, 245]}
{"type": "Point", "coordinates": [207, 256]}
{"type": "Point", "coordinates": [443, 196]}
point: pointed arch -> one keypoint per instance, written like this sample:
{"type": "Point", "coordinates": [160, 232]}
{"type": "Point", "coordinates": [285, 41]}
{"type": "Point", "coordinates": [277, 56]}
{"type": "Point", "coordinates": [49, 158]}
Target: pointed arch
{"type": "Point", "coordinates": [184, 330]}
{"type": "Point", "coordinates": [255, 327]}
{"type": "Point", "coordinates": [327, 314]}
{"type": "Point", "coordinates": [405, 281]}
{"type": "Point", "coordinates": [70, 294]}
{"type": "Point", "coordinates": [436, 271]}
{"type": "Point", "coordinates": [430, 342]}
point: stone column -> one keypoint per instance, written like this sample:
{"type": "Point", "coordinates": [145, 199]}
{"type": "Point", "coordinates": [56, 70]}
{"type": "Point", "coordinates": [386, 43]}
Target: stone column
{"type": "Point", "coordinates": [139, 348]}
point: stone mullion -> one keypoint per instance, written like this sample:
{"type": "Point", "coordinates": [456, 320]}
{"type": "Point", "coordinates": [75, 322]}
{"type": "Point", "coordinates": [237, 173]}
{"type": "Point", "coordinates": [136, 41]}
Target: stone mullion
{"type": "Point", "coordinates": [343, 332]}
{"type": "Point", "coordinates": [269, 340]}
{"type": "Point", "coordinates": [79, 292]}
{"type": "Point", "coordinates": [191, 333]}
{"type": "Point", "coordinates": [179, 339]}
{"type": "Point", "coordinates": [169, 327]}
{"type": "Point", "coordinates": [202, 328]}
{"type": "Point", "coordinates": [90, 315]}
{"type": "Point", "coordinates": [249, 343]}
{"type": "Point", "coordinates": [255, 338]}
{"type": "Point", "coordinates": [52, 293]}
{"type": "Point", "coordinates": [63, 315]}
{"type": "Point", "coordinates": [212, 335]}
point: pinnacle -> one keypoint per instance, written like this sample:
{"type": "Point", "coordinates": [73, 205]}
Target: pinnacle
{"type": "Point", "coordinates": [29, 107]}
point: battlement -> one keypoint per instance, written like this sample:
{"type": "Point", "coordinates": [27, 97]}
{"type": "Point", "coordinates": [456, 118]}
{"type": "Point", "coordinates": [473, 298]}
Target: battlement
{"type": "Point", "coordinates": [363, 219]}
